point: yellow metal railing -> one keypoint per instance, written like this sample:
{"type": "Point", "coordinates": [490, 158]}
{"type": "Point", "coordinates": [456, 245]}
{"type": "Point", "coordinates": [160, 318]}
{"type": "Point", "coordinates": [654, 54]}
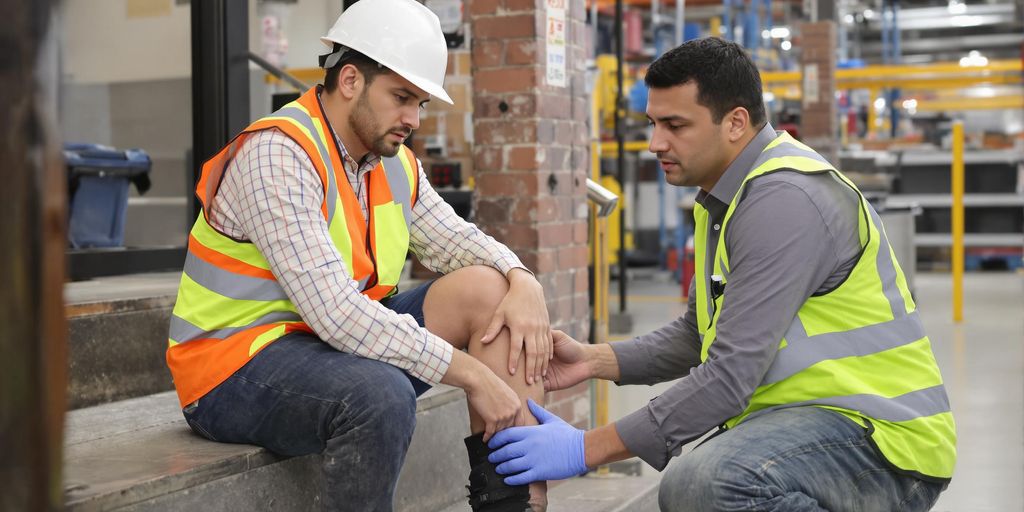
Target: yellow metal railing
{"type": "Point", "coordinates": [957, 217]}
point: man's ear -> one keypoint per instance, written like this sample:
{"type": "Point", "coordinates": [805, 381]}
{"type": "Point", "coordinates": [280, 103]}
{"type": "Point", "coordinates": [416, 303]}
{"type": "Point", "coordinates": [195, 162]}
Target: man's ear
{"type": "Point", "coordinates": [350, 82]}
{"type": "Point", "coordinates": [738, 123]}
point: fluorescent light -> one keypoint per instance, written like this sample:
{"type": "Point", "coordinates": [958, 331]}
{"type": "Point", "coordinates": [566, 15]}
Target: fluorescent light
{"type": "Point", "coordinates": [780, 32]}
{"type": "Point", "coordinates": [879, 104]}
{"type": "Point", "coordinates": [768, 97]}
{"type": "Point", "coordinates": [910, 104]}
{"type": "Point", "coordinates": [786, 45]}
{"type": "Point", "coordinates": [848, 19]}
{"type": "Point", "coordinates": [869, 14]}
{"type": "Point", "coordinates": [765, 34]}
{"type": "Point", "coordinates": [957, 7]}
{"type": "Point", "coordinates": [973, 59]}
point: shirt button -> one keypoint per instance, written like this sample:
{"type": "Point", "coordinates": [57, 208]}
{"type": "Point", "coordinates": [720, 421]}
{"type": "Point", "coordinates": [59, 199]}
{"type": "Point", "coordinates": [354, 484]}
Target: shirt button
{"type": "Point", "coordinates": [717, 227]}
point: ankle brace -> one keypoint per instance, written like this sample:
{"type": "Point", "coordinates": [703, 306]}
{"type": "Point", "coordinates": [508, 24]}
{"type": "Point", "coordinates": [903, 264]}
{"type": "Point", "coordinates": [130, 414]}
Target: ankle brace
{"type": "Point", "coordinates": [488, 491]}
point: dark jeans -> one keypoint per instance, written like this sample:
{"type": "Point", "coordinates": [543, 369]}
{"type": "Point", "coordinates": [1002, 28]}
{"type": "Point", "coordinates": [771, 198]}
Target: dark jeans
{"type": "Point", "coordinates": [299, 396]}
{"type": "Point", "coordinates": [793, 460]}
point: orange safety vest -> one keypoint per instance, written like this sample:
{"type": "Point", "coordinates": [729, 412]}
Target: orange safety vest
{"type": "Point", "coordinates": [230, 305]}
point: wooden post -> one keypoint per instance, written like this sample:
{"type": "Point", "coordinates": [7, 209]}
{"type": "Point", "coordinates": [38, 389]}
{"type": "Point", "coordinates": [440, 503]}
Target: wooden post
{"type": "Point", "coordinates": [33, 334]}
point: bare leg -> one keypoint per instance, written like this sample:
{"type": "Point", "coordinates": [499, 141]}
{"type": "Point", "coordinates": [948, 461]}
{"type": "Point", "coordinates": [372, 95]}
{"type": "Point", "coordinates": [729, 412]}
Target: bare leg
{"type": "Point", "coordinates": [458, 308]}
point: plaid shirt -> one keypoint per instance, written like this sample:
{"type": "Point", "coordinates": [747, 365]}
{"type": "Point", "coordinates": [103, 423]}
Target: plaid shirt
{"type": "Point", "coordinates": [271, 195]}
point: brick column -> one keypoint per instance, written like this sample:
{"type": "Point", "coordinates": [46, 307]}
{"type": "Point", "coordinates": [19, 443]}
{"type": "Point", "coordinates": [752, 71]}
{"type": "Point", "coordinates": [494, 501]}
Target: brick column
{"type": "Point", "coordinates": [531, 156]}
{"type": "Point", "coordinates": [818, 64]}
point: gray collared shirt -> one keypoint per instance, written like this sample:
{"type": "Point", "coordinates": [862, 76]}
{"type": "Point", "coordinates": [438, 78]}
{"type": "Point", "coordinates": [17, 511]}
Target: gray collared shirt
{"type": "Point", "coordinates": [792, 235]}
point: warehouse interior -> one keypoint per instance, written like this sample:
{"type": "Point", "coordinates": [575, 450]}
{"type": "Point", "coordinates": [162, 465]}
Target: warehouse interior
{"type": "Point", "coordinates": [548, 96]}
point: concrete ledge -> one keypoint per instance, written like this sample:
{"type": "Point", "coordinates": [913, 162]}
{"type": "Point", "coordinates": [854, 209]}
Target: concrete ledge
{"type": "Point", "coordinates": [140, 454]}
{"type": "Point", "coordinates": [614, 492]}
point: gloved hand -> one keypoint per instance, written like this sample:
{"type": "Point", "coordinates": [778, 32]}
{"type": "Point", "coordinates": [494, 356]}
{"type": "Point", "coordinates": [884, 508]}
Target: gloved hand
{"type": "Point", "coordinates": [552, 450]}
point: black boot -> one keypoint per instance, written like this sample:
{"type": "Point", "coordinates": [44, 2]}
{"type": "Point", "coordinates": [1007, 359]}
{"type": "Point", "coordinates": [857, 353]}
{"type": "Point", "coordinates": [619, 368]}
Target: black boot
{"type": "Point", "coordinates": [488, 491]}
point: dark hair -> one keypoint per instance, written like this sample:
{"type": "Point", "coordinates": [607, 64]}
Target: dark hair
{"type": "Point", "coordinates": [367, 66]}
{"type": "Point", "coordinates": [726, 77]}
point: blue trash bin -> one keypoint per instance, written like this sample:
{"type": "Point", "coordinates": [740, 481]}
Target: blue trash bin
{"type": "Point", "coordinates": [98, 180]}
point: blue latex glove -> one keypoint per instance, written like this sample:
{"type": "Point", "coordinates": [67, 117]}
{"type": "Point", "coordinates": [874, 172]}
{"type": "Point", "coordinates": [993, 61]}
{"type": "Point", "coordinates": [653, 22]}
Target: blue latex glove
{"type": "Point", "coordinates": [552, 450]}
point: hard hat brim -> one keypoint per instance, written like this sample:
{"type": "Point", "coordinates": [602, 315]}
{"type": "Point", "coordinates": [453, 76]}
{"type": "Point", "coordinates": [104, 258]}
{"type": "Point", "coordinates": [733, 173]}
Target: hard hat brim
{"type": "Point", "coordinates": [424, 84]}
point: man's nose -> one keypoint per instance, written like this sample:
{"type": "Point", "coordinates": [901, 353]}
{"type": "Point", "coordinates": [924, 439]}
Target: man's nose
{"type": "Point", "coordinates": [658, 143]}
{"type": "Point", "coordinates": [411, 117]}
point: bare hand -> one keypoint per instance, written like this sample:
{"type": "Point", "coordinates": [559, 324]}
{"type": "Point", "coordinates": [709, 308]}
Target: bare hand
{"type": "Point", "coordinates": [495, 402]}
{"type": "Point", "coordinates": [524, 312]}
{"type": "Point", "coordinates": [569, 366]}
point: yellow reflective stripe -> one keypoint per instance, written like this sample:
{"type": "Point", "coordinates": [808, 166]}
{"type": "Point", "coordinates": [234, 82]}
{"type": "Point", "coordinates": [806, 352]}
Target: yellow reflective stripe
{"type": "Point", "coordinates": [700, 238]}
{"type": "Point", "coordinates": [210, 311]}
{"type": "Point", "coordinates": [392, 238]}
{"type": "Point", "coordinates": [937, 432]}
{"type": "Point", "coordinates": [338, 230]}
{"type": "Point", "coordinates": [411, 171]}
{"type": "Point", "coordinates": [241, 251]}
{"type": "Point", "coordinates": [266, 337]}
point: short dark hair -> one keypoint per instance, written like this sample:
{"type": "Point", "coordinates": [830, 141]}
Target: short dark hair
{"type": "Point", "coordinates": [726, 77]}
{"type": "Point", "coordinates": [367, 66]}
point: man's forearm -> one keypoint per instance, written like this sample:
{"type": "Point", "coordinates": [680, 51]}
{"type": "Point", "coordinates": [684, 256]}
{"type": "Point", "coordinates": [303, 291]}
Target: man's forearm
{"type": "Point", "coordinates": [603, 445]}
{"type": "Point", "coordinates": [603, 363]}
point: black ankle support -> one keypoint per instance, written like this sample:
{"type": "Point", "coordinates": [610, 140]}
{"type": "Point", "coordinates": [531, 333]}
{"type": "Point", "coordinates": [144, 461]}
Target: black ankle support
{"type": "Point", "coordinates": [488, 491]}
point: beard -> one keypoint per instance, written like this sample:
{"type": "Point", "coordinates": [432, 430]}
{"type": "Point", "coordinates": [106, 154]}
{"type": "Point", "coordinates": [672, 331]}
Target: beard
{"type": "Point", "coordinates": [364, 124]}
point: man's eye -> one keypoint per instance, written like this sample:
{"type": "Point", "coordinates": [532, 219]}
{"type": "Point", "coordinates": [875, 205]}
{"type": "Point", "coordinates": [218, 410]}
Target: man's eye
{"type": "Point", "coordinates": [400, 98]}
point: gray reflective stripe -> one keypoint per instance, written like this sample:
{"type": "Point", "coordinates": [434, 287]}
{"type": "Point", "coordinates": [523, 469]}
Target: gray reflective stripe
{"type": "Point", "coordinates": [916, 404]}
{"type": "Point", "coordinates": [398, 182]}
{"type": "Point", "coordinates": [788, 149]}
{"type": "Point", "coordinates": [182, 330]}
{"type": "Point", "coordinates": [332, 185]}
{"type": "Point", "coordinates": [887, 270]}
{"type": "Point", "coordinates": [802, 351]}
{"type": "Point", "coordinates": [362, 283]}
{"type": "Point", "coordinates": [230, 284]}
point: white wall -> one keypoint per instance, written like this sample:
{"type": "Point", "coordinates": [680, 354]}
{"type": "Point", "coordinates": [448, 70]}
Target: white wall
{"type": "Point", "coordinates": [101, 44]}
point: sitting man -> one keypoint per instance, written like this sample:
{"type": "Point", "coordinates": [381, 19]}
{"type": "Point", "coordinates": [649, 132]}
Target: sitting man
{"type": "Point", "coordinates": [289, 331]}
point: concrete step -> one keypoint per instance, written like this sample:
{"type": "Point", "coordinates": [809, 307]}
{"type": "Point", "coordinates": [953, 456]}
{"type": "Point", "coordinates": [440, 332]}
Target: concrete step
{"type": "Point", "coordinates": [139, 454]}
{"type": "Point", "coordinates": [117, 337]}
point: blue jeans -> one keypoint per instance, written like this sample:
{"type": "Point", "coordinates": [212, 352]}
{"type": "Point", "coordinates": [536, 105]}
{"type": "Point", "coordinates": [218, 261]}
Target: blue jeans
{"type": "Point", "coordinates": [793, 460]}
{"type": "Point", "coordinates": [299, 396]}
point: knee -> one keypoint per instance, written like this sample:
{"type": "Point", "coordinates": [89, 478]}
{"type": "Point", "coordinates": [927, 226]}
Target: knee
{"type": "Point", "coordinates": [485, 285]}
{"type": "Point", "coordinates": [481, 289]}
{"type": "Point", "coordinates": [704, 481]}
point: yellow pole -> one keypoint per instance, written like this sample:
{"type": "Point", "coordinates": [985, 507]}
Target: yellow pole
{"type": "Point", "coordinates": [957, 216]}
{"type": "Point", "coordinates": [872, 115]}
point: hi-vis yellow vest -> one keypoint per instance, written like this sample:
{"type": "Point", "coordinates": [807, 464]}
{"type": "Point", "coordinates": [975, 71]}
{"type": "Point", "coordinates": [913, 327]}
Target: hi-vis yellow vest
{"type": "Point", "coordinates": [859, 349]}
{"type": "Point", "coordinates": [229, 303]}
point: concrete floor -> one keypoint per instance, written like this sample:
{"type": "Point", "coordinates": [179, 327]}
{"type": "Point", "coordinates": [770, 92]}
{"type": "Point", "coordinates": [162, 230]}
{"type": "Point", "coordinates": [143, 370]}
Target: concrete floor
{"type": "Point", "coordinates": [982, 363]}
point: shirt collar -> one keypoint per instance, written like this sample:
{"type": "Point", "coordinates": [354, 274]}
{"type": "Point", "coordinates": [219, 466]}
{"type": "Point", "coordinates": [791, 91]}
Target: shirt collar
{"type": "Point", "coordinates": [727, 186]}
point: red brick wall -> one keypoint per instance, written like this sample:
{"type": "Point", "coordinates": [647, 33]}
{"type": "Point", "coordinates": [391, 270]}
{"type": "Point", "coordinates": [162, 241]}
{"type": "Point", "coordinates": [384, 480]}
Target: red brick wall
{"type": "Point", "coordinates": [531, 158]}
{"type": "Point", "coordinates": [818, 127]}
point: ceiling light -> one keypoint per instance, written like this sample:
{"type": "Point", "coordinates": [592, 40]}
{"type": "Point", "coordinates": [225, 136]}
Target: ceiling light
{"type": "Point", "coordinates": [780, 32]}
{"type": "Point", "coordinates": [786, 45]}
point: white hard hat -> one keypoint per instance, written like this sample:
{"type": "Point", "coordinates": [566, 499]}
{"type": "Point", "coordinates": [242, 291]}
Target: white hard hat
{"type": "Point", "coordinates": [402, 35]}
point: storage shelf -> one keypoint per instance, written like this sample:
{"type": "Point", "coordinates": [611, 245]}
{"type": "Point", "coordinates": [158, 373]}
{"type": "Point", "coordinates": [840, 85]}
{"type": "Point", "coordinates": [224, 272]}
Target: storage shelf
{"type": "Point", "coordinates": [946, 201]}
{"type": "Point", "coordinates": [970, 239]}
